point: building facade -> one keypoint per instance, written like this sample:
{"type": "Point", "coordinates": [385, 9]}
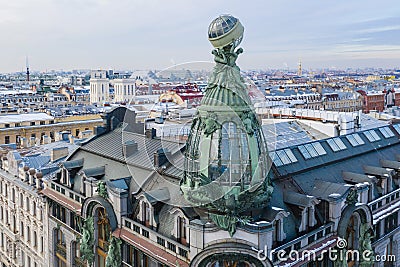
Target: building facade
{"type": "Point", "coordinates": [39, 128]}
{"type": "Point", "coordinates": [24, 210]}
{"type": "Point", "coordinates": [124, 90]}
{"type": "Point", "coordinates": [99, 87]}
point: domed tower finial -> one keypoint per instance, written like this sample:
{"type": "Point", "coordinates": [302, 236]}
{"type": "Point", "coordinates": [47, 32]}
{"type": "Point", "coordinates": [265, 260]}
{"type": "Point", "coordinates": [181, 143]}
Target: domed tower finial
{"type": "Point", "coordinates": [226, 158]}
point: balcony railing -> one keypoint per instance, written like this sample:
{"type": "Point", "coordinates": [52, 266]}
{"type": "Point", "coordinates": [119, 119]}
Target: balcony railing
{"type": "Point", "coordinates": [305, 241]}
{"type": "Point", "coordinates": [384, 201]}
{"type": "Point", "coordinates": [171, 246]}
{"type": "Point", "coordinates": [67, 192]}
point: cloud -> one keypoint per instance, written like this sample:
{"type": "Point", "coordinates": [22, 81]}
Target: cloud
{"type": "Point", "coordinates": [137, 34]}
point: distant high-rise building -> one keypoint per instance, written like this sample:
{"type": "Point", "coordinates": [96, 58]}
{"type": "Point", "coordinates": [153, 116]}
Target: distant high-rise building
{"type": "Point", "coordinates": [99, 87]}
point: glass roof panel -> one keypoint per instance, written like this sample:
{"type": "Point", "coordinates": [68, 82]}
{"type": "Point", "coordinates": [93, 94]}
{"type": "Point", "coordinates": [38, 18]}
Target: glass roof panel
{"type": "Point", "coordinates": [333, 145]}
{"type": "Point", "coordinates": [318, 147]}
{"type": "Point", "coordinates": [304, 152]}
{"type": "Point", "coordinates": [339, 143]}
{"type": "Point", "coordinates": [352, 140]}
{"type": "Point", "coordinates": [358, 139]}
{"type": "Point", "coordinates": [291, 156]}
{"type": "Point", "coordinates": [375, 135]}
{"type": "Point", "coordinates": [284, 158]}
{"type": "Point", "coordinates": [310, 148]}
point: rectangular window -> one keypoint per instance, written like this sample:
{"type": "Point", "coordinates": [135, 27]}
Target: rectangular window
{"type": "Point", "coordinates": [28, 234]}
{"type": "Point", "coordinates": [6, 139]}
{"type": "Point", "coordinates": [336, 144]}
{"type": "Point", "coordinates": [372, 136]}
{"type": "Point", "coordinates": [386, 132]}
{"type": "Point", "coordinates": [355, 139]}
{"type": "Point", "coordinates": [312, 150]}
{"type": "Point", "coordinates": [290, 154]}
{"type": "Point", "coordinates": [320, 150]}
{"type": "Point", "coordinates": [333, 145]}
{"type": "Point", "coordinates": [27, 204]}
{"type": "Point", "coordinates": [21, 228]}
{"type": "Point", "coordinates": [21, 200]}
{"type": "Point", "coordinates": [304, 152]}
{"type": "Point", "coordinates": [339, 143]}
{"type": "Point", "coordinates": [397, 128]}
{"type": "Point", "coordinates": [282, 155]}
{"type": "Point", "coordinates": [181, 230]}
{"type": "Point", "coordinates": [275, 159]}
{"type": "Point", "coordinates": [34, 239]}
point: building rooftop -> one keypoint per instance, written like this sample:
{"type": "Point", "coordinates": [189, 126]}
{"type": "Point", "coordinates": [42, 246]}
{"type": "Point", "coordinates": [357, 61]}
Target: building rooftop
{"type": "Point", "coordinates": [18, 118]}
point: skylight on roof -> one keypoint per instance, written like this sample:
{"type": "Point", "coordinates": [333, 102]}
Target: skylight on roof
{"type": "Point", "coordinates": [277, 161]}
{"type": "Point", "coordinates": [372, 136]}
{"type": "Point", "coordinates": [283, 157]}
{"type": "Point", "coordinates": [397, 128]}
{"type": "Point", "coordinates": [336, 144]}
{"type": "Point", "coordinates": [355, 139]}
{"type": "Point", "coordinates": [312, 150]}
{"type": "Point", "coordinates": [386, 132]}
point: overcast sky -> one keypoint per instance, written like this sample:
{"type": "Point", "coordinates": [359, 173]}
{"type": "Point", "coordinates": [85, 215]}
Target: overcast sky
{"type": "Point", "coordinates": [155, 34]}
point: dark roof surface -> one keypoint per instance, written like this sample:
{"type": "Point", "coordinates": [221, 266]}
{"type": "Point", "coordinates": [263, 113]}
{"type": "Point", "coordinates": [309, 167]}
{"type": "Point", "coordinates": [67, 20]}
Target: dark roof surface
{"type": "Point", "coordinates": [110, 146]}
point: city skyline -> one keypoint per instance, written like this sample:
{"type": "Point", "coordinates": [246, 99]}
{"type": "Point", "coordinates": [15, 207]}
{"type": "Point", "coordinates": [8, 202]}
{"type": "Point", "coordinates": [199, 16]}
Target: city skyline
{"type": "Point", "coordinates": [156, 35]}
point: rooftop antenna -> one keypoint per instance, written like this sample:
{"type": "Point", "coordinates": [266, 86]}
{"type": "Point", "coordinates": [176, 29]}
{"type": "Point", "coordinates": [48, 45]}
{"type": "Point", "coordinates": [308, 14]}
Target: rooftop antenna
{"type": "Point", "coordinates": [27, 70]}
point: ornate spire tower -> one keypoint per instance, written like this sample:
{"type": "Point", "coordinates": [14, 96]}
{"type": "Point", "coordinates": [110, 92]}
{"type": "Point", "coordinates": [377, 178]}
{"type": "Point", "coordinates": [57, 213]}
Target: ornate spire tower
{"type": "Point", "coordinates": [226, 161]}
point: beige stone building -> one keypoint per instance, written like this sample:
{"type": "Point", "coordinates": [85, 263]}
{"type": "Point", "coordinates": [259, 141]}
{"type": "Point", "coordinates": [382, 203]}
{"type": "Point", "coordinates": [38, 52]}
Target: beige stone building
{"type": "Point", "coordinates": [40, 128]}
{"type": "Point", "coordinates": [23, 209]}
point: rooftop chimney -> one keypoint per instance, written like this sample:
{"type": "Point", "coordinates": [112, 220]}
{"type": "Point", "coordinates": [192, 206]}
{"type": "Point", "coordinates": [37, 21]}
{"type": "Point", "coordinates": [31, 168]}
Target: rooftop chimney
{"type": "Point", "coordinates": [24, 142]}
{"type": "Point", "coordinates": [58, 153]}
{"type": "Point", "coordinates": [151, 133]}
{"type": "Point", "coordinates": [161, 157]}
{"type": "Point", "coordinates": [32, 141]}
{"type": "Point", "coordinates": [129, 148]}
{"type": "Point", "coordinates": [46, 139]}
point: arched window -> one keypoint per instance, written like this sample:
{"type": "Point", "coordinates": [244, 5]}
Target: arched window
{"type": "Point", "coordinates": [146, 211]}
{"type": "Point", "coordinates": [181, 223]}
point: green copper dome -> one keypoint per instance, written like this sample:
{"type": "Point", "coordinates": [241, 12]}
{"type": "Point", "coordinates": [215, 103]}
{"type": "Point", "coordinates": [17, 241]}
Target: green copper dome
{"type": "Point", "coordinates": [226, 160]}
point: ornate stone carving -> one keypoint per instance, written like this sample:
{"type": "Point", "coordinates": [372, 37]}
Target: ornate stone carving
{"type": "Point", "coordinates": [211, 124]}
{"type": "Point", "coordinates": [227, 222]}
{"type": "Point", "coordinates": [366, 234]}
{"type": "Point", "coordinates": [87, 241]}
{"type": "Point", "coordinates": [352, 197]}
{"type": "Point", "coordinates": [102, 190]}
{"type": "Point", "coordinates": [114, 253]}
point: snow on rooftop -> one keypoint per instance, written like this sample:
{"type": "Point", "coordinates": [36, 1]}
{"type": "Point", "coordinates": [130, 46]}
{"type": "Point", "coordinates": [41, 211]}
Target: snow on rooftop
{"type": "Point", "coordinates": [25, 117]}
